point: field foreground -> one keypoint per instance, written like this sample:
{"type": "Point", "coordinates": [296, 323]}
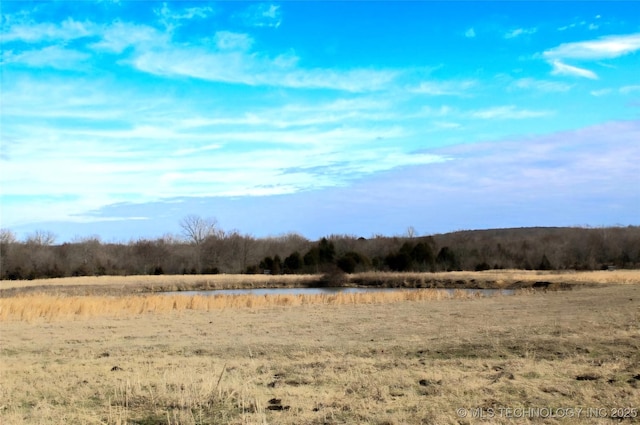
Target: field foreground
{"type": "Point", "coordinates": [542, 357]}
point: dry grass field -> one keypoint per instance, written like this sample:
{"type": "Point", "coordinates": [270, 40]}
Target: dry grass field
{"type": "Point", "coordinates": [569, 357]}
{"type": "Point", "coordinates": [88, 285]}
{"type": "Point", "coordinates": [100, 285]}
{"type": "Point", "coordinates": [33, 307]}
{"type": "Point", "coordinates": [507, 277]}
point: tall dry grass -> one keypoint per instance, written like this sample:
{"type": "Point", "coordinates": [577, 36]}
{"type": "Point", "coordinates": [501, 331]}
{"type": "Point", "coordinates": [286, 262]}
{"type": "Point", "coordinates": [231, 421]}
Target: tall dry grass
{"type": "Point", "coordinates": [510, 276]}
{"type": "Point", "coordinates": [242, 281]}
{"type": "Point", "coordinates": [219, 281]}
{"type": "Point", "coordinates": [51, 307]}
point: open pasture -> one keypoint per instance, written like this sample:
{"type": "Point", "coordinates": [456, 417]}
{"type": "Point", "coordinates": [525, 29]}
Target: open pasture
{"type": "Point", "coordinates": [432, 361]}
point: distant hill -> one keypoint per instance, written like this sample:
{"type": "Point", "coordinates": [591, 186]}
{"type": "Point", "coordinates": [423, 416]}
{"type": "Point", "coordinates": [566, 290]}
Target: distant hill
{"type": "Point", "coordinates": [564, 247]}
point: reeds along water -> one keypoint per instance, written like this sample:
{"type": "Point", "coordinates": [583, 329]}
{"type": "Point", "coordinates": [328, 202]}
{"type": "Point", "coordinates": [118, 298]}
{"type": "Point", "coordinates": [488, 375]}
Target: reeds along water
{"type": "Point", "coordinates": [50, 307]}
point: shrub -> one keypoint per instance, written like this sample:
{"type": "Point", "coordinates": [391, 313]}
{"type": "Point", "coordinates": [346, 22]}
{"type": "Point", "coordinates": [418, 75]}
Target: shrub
{"type": "Point", "coordinates": [398, 262]}
{"type": "Point", "coordinates": [293, 263]}
{"type": "Point", "coordinates": [447, 259]}
{"type": "Point", "coordinates": [347, 264]}
{"type": "Point", "coordinates": [482, 266]}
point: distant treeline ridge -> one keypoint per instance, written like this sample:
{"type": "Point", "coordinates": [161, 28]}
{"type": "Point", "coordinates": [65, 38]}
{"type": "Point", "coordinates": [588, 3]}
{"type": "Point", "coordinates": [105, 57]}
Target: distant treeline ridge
{"type": "Point", "coordinates": [207, 250]}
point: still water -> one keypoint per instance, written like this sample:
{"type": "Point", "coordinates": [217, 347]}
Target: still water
{"type": "Point", "coordinates": [326, 291]}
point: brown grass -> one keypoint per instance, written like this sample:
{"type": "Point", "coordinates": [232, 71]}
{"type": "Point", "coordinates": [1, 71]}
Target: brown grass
{"type": "Point", "coordinates": [241, 281]}
{"type": "Point", "coordinates": [406, 362]}
{"type": "Point", "coordinates": [51, 307]}
{"type": "Point", "coordinates": [402, 357]}
{"type": "Point", "coordinates": [168, 282]}
{"type": "Point", "coordinates": [507, 277]}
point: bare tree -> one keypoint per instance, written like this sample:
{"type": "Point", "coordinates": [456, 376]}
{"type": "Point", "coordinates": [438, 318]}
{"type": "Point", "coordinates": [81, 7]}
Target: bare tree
{"type": "Point", "coordinates": [7, 236]}
{"type": "Point", "coordinates": [196, 229]}
{"type": "Point", "coordinates": [199, 230]}
{"type": "Point", "coordinates": [42, 238]}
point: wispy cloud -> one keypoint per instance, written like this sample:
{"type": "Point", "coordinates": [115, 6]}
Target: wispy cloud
{"type": "Point", "coordinates": [200, 171]}
{"type": "Point", "coordinates": [607, 47]}
{"type": "Point", "coordinates": [117, 37]}
{"type": "Point", "coordinates": [560, 68]}
{"type": "Point", "coordinates": [262, 15]}
{"type": "Point", "coordinates": [292, 116]}
{"type": "Point", "coordinates": [564, 160]}
{"type": "Point", "coordinates": [150, 148]}
{"type": "Point", "coordinates": [509, 112]}
{"type": "Point", "coordinates": [30, 32]}
{"type": "Point", "coordinates": [144, 101]}
{"type": "Point", "coordinates": [520, 32]}
{"type": "Point", "coordinates": [171, 18]}
{"type": "Point", "coordinates": [445, 88]}
{"type": "Point", "coordinates": [545, 86]}
{"type": "Point", "coordinates": [227, 40]}
{"type": "Point", "coordinates": [56, 57]}
{"type": "Point", "coordinates": [600, 92]}
{"type": "Point", "coordinates": [447, 124]}
{"type": "Point", "coordinates": [594, 25]}
{"type": "Point", "coordinates": [227, 57]}
{"type": "Point", "coordinates": [254, 70]}
{"type": "Point", "coordinates": [630, 89]}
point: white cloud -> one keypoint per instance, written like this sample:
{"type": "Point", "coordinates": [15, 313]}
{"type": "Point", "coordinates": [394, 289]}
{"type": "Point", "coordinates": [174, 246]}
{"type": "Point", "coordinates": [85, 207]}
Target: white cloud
{"type": "Point", "coordinates": [68, 29]}
{"type": "Point", "coordinates": [507, 112]}
{"type": "Point", "coordinates": [520, 31]}
{"type": "Point", "coordinates": [540, 85]}
{"type": "Point", "coordinates": [148, 148]}
{"type": "Point", "coordinates": [566, 27]}
{"type": "Point", "coordinates": [226, 40]}
{"type": "Point", "coordinates": [173, 18]}
{"type": "Point", "coordinates": [520, 172]}
{"type": "Point", "coordinates": [591, 26]}
{"type": "Point", "coordinates": [262, 15]}
{"type": "Point", "coordinates": [601, 92]}
{"type": "Point", "coordinates": [227, 58]}
{"type": "Point", "coordinates": [447, 124]}
{"type": "Point", "coordinates": [48, 57]}
{"type": "Point", "coordinates": [444, 88]}
{"type": "Point", "coordinates": [630, 89]}
{"type": "Point", "coordinates": [340, 111]}
{"type": "Point", "coordinates": [560, 68]}
{"type": "Point", "coordinates": [252, 69]}
{"type": "Point", "coordinates": [352, 80]}
{"type": "Point", "coordinates": [607, 47]}
{"type": "Point", "coordinates": [114, 170]}
{"type": "Point", "coordinates": [119, 36]}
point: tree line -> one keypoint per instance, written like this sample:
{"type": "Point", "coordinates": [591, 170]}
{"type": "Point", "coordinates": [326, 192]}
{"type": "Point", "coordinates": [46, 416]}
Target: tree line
{"type": "Point", "coordinates": [205, 248]}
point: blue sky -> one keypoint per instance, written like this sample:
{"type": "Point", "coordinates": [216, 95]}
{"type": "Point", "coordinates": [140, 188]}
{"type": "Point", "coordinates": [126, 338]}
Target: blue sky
{"type": "Point", "coordinates": [120, 118]}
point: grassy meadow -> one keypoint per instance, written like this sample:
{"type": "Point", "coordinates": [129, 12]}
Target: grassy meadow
{"type": "Point", "coordinates": [420, 357]}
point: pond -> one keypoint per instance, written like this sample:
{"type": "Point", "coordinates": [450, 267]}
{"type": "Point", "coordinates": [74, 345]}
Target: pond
{"type": "Point", "coordinates": [327, 291]}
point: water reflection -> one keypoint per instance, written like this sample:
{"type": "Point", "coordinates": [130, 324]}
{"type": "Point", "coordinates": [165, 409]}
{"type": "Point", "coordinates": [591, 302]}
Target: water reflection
{"type": "Point", "coordinates": [329, 291]}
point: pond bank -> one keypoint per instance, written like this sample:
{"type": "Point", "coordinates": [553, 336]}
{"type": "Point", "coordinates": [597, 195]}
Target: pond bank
{"type": "Point", "coordinates": [423, 280]}
{"type": "Point", "coordinates": [136, 285]}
